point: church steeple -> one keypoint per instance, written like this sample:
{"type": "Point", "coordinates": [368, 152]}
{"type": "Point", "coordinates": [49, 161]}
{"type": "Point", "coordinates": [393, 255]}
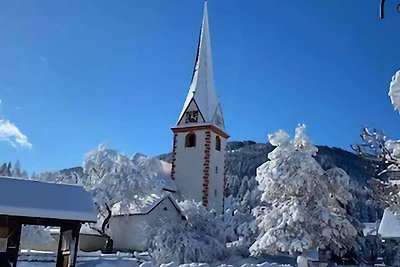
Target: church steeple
{"type": "Point", "coordinates": [202, 104]}
{"type": "Point", "coordinates": [198, 157]}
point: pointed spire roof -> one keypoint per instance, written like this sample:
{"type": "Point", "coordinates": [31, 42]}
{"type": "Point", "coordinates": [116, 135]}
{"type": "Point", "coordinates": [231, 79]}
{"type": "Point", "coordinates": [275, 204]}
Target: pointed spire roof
{"type": "Point", "coordinates": [202, 89]}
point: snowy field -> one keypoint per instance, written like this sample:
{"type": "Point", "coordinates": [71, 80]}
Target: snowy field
{"type": "Point", "coordinates": [134, 263]}
{"type": "Point", "coordinates": [95, 259]}
{"type": "Point", "coordinates": [45, 259]}
{"type": "Point", "coordinates": [126, 263]}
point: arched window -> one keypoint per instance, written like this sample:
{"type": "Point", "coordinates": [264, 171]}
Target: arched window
{"type": "Point", "coordinates": [190, 140]}
{"type": "Point", "coordinates": [218, 143]}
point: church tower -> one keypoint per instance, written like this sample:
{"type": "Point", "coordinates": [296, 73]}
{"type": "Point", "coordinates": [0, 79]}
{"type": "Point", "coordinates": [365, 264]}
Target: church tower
{"type": "Point", "coordinates": [198, 160]}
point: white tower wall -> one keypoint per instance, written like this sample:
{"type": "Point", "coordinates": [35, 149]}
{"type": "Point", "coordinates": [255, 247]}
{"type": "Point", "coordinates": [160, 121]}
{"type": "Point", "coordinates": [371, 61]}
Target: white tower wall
{"type": "Point", "coordinates": [217, 175]}
{"type": "Point", "coordinates": [188, 171]}
{"type": "Point", "coordinates": [199, 172]}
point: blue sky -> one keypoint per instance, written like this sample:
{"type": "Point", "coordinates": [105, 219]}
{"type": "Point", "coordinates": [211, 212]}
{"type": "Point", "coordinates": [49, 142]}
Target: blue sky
{"type": "Point", "coordinates": [74, 74]}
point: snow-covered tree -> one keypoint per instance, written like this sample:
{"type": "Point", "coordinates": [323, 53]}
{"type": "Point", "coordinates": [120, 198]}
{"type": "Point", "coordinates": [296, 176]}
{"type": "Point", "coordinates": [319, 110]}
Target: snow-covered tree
{"type": "Point", "coordinates": [376, 146]}
{"type": "Point", "coordinates": [240, 228]}
{"type": "Point", "coordinates": [8, 169]}
{"type": "Point", "coordinates": [113, 178]}
{"type": "Point", "coordinates": [304, 206]}
{"type": "Point", "coordinates": [37, 237]}
{"type": "Point", "coordinates": [5, 169]}
{"type": "Point", "coordinates": [59, 177]}
{"type": "Point", "coordinates": [379, 149]}
{"type": "Point", "coordinates": [17, 171]}
{"type": "Point", "coordinates": [200, 238]}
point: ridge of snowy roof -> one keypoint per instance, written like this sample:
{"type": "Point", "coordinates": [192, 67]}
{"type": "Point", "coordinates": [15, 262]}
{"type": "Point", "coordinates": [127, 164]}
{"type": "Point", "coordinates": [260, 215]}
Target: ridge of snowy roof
{"type": "Point", "coordinates": [36, 199]}
{"type": "Point", "coordinates": [202, 88]}
{"type": "Point", "coordinates": [149, 204]}
{"type": "Point", "coordinates": [390, 225]}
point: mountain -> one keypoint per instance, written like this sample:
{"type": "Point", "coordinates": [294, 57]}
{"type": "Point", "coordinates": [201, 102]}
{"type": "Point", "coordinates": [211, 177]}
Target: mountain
{"type": "Point", "coordinates": [243, 158]}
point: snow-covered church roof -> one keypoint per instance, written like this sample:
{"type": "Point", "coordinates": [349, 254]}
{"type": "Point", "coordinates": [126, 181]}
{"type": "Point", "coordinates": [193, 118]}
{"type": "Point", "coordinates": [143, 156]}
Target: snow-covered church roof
{"type": "Point", "coordinates": [146, 207]}
{"type": "Point", "coordinates": [202, 94]}
{"type": "Point", "coordinates": [390, 225]}
{"type": "Point", "coordinates": [29, 198]}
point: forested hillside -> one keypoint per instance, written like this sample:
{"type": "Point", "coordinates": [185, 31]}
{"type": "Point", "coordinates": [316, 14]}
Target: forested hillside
{"type": "Point", "coordinates": [243, 158]}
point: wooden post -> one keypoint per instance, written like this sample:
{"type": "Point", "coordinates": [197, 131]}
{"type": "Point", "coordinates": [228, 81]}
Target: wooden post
{"type": "Point", "coordinates": [68, 245]}
{"type": "Point", "coordinates": [12, 231]}
{"type": "Point", "coordinates": [60, 251]}
{"type": "Point", "coordinates": [13, 244]}
{"type": "Point", "coordinates": [75, 238]}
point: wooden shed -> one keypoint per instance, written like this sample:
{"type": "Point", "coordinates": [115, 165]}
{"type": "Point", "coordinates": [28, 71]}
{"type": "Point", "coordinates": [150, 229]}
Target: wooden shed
{"type": "Point", "coordinates": [29, 202]}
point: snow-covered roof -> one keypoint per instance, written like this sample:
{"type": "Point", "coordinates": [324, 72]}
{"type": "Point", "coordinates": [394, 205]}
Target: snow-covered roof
{"type": "Point", "coordinates": [312, 255]}
{"type": "Point", "coordinates": [87, 230]}
{"type": "Point", "coordinates": [147, 206]}
{"type": "Point", "coordinates": [202, 89]}
{"type": "Point", "coordinates": [370, 228]}
{"type": "Point", "coordinates": [29, 198]}
{"type": "Point", "coordinates": [390, 225]}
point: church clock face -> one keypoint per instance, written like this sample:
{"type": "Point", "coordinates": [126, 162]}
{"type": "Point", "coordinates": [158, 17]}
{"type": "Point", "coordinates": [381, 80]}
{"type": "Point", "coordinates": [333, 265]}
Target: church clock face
{"type": "Point", "coordinates": [192, 116]}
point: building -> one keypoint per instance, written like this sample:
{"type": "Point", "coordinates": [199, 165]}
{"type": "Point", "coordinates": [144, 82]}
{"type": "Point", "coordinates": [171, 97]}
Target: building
{"type": "Point", "coordinates": [198, 159]}
{"type": "Point", "coordinates": [128, 228]}
{"type": "Point", "coordinates": [389, 228]}
{"type": "Point", "coordinates": [28, 202]}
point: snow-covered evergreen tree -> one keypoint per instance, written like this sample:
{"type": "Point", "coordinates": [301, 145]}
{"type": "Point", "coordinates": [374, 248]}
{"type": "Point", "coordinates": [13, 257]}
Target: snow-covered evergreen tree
{"type": "Point", "coordinates": [17, 171]}
{"type": "Point", "coordinates": [5, 169]}
{"type": "Point", "coordinates": [10, 170]}
{"type": "Point", "coordinates": [304, 206]}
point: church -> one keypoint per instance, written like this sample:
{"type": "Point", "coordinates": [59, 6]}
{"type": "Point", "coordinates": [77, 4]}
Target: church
{"type": "Point", "coordinates": [199, 143]}
{"type": "Point", "coordinates": [197, 170]}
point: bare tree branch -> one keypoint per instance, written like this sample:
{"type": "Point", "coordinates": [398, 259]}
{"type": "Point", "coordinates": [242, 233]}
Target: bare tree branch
{"type": "Point", "coordinates": [382, 9]}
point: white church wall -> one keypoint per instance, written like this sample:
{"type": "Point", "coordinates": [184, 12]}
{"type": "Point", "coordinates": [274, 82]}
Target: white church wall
{"type": "Point", "coordinates": [129, 232]}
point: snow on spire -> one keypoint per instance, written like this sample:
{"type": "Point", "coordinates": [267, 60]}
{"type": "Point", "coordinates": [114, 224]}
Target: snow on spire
{"type": "Point", "coordinates": [202, 88]}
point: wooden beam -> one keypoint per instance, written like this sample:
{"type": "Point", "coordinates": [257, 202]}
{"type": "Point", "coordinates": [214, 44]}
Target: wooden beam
{"type": "Point", "coordinates": [68, 245]}
{"type": "Point", "coordinates": [14, 243]}
{"type": "Point", "coordinates": [75, 237]}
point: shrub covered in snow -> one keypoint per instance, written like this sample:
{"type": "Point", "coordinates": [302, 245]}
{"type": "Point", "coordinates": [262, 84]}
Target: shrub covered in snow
{"type": "Point", "coordinates": [200, 238]}
{"type": "Point", "coordinates": [304, 206]}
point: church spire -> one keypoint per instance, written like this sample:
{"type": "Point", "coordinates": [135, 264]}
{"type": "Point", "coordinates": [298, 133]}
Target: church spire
{"type": "Point", "coordinates": [198, 156]}
{"type": "Point", "coordinates": [202, 94]}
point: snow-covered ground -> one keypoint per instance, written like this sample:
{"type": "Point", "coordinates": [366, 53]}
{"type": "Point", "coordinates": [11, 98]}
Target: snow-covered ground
{"type": "Point", "coordinates": [125, 263]}
{"type": "Point", "coordinates": [94, 263]}
{"type": "Point", "coordinates": [46, 259]}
